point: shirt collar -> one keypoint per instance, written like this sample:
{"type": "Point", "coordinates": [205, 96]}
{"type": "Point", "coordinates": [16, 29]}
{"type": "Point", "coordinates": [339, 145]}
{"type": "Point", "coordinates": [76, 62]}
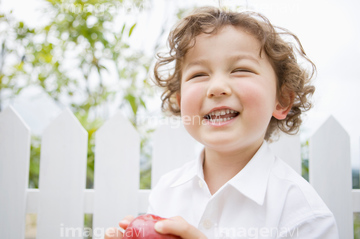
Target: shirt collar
{"type": "Point", "coordinates": [251, 181]}
{"type": "Point", "coordinates": [253, 178]}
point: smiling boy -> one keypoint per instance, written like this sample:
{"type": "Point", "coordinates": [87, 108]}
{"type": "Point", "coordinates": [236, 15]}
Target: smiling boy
{"type": "Point", "coordinates": [224, 72]}
{"type": "Point", "coordinates": [235, 73]}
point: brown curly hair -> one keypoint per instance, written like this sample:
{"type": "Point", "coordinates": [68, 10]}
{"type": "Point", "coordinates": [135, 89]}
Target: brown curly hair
{"type": "Point", "coordinates": [292, 78]}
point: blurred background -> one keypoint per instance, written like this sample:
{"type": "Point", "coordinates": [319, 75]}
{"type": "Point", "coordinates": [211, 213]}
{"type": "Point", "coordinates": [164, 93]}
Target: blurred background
{"type": "Point", "coordinates": [96, 57]}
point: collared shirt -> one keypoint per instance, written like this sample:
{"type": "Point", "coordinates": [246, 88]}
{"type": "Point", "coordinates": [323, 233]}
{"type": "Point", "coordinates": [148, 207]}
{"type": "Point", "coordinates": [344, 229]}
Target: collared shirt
{"type": "Point", "coordinates": [266, 199]}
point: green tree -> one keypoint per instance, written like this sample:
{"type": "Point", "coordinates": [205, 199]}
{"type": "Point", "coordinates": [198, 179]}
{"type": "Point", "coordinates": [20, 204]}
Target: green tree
{"type": "Point", "coordinates": [82, 59]}
{"type": "Point", "coordinates": [14, 35]}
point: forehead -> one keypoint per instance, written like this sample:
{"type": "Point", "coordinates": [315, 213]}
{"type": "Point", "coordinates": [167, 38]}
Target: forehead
{"type": "Point", "coordinates": [233, 42]}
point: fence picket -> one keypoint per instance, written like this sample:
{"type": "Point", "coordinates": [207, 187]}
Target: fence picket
{"type": "Point", "coordinates": [172, 147]}
{"type": "Point", "coordinates": [14, 173]}
{"type": "Point", "coordinates": [116, 180]}
{"type": "Point", "coordinates": [288, 148]}
{"type": "Point", "coordinates": [62, 178]}
{"type": "Point", "coordinates": [330, 172]}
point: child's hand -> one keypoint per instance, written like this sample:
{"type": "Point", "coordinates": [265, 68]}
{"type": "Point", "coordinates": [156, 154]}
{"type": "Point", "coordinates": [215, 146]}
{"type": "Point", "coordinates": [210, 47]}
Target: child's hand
{"type": "Point", "coordinates": [179, 227]}
{"type": "Point", "coordinates": [115, 233]}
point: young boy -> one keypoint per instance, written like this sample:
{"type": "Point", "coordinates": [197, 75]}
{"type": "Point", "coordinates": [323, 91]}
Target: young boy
{"type": "Point", "coordinates": [236, 82]}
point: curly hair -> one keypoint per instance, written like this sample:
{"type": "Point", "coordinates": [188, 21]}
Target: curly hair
{"type": "Point", "coordinates": [292, 79]}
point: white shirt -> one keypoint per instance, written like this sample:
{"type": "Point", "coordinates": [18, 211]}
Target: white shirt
{"type": "Point", "coordinates": [266, 199]}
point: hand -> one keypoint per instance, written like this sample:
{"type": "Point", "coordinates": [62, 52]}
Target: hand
{"type": "Point", "coordinates": [179, 227]}
{"type": "Point", "coordinates": [115, 233]}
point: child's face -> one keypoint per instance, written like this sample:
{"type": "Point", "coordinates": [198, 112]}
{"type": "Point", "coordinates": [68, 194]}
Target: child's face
{"type": "Point", "coordinates": [225, 72]}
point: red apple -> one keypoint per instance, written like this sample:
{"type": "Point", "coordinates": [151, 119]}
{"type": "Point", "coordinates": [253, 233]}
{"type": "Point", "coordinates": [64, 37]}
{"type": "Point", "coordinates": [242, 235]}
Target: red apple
{"type": "Point", "coordinates": [143, 227]}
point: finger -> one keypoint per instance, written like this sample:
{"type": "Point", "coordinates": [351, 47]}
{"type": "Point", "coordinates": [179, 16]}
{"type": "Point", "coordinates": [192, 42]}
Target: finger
{"type": "Point", "coordinates": [113, 233]}
{"type": "Point", "coordinates": [179, 227]}
{"type": "Point", "coordinates": [124, 223]}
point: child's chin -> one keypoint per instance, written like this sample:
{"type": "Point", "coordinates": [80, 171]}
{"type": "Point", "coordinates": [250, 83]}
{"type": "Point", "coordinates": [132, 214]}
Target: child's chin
{"type": "Point", "coordinates": [221, 144]}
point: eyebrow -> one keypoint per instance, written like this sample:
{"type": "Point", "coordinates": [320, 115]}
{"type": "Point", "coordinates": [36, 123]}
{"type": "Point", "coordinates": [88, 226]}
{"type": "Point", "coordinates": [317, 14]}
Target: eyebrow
{"type": "Point", "coordinates": [233, 58]}
{"type": "Point", "coordinates": [238, 57]}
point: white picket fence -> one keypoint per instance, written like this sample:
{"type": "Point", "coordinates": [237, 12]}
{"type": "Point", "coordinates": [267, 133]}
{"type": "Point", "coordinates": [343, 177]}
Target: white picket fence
{"type": "Point", "coordinates": [62, 200]}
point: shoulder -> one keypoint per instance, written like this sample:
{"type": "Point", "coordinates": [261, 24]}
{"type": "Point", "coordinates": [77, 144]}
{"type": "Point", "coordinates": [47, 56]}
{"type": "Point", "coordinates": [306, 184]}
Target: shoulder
{"type": "Point", "coordinates": [295, 197]}
{"type": "Point", "coordinates": [168, 179]}
{"type": "Point", "coordinates": [295, 185]}
{"type": "Point", "coordinates": [166, 194]}
{"type": "Point", "coordinates": [177, 176]}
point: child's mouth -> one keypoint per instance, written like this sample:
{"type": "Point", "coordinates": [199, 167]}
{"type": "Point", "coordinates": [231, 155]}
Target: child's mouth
{"type": "Point", "coordinates": [218, 116]}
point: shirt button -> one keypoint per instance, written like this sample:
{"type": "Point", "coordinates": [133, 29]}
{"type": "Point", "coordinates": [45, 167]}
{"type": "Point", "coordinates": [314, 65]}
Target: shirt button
{"type": "Point", "coordinates": [207, 224]}
{"type": "Point", "coordinates": [201, 184]}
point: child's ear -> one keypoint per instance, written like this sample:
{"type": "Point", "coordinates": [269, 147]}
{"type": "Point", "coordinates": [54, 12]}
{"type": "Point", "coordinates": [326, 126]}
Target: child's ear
{"type": "Point", "coordinates": [283, 108]}
{"type": "Point", "coordinates": [178, 99]}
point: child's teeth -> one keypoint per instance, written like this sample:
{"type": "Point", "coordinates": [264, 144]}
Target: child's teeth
{"type": "Point", "coordinates": [218, 120]}
{"type": "Point", "coordinates": [215, 116]}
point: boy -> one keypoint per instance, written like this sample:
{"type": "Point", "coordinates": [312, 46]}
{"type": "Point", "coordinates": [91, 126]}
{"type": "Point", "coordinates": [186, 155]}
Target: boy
{"type": "Point", "coordinates": [236, 82]}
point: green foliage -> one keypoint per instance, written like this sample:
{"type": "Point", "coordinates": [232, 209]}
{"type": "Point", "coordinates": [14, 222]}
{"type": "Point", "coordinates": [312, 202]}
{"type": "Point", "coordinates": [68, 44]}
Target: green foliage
{"type": "Point", "coordinates": [88, 221]}
{"type": "Point", "coordinates": [146, 151]}
{"type": "Point", "coordinates": [305, 160]}
{"type": "Point", "coordinates": [305, 169]}
{"type": "Point", "coordinates": [355, 179]}
{"type": "Point", "coordinates": [14, 35]}
{"type": "Point", "coordinates": [356, 225]}
{"type": "Point", "coordinates": [145, 179]}
{"type": "Point", "coordinates": [34, 162]}
{"type": "Point", "coordinates": [76, 48]}
{"type": "Point", "coordinates": [91, 126]}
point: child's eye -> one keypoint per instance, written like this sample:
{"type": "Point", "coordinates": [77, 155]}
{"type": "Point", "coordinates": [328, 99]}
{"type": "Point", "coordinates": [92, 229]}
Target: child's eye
{"type": "Point", "coordinates": [197, 75]}
{"type": "Point", "coordinates": [242, 70]}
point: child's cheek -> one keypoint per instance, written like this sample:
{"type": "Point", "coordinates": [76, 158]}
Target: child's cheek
{"type": "Point", "coordinates": [191, 99]}
{"type": "Point", "coordinates": [256, 98]}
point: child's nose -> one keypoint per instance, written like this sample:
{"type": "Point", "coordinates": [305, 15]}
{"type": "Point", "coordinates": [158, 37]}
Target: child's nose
{"type": "Point", "coordinates": [218, 87]}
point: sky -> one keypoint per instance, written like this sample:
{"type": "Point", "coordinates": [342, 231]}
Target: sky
{"type": "Point", "coordinates": [329, 31]}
